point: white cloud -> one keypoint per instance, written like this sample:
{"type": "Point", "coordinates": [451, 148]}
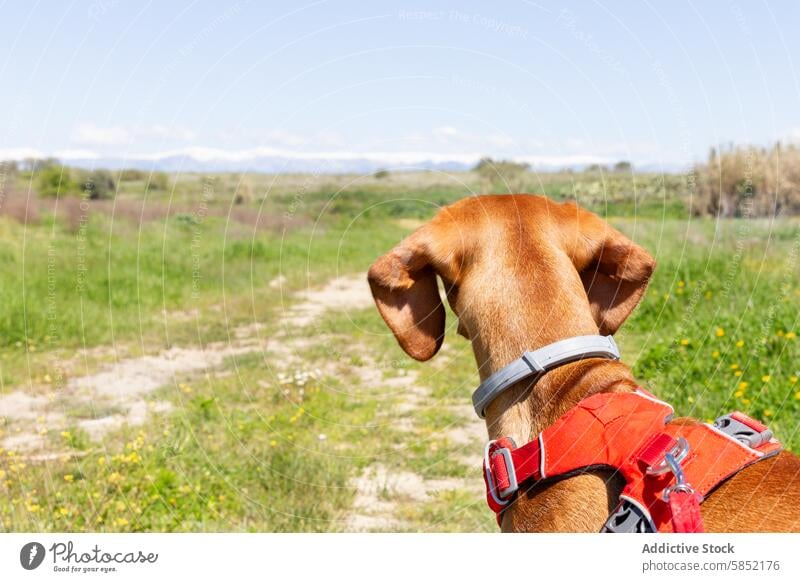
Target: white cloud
{"type": "Point", "coordinates": [91, 134]}
{"type": "Point", "coordinates": [164, 132]}
{"type": "Point", "coordinates": [445, 132]}
{"type": "Point", "coordinates": [500, 141]}
{"type": "Point", "coordinates": [21, 154]}
{"type": "Point", "coordinates": [75, 154]}
{"type": "Point", "coordinates": [793, 135]}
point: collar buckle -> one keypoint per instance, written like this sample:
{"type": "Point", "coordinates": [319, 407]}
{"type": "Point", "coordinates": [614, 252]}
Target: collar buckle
{"type": "Point", "coordinates": [501, 479]}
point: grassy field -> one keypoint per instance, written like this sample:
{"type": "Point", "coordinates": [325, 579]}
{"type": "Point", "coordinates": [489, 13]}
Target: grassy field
{"type": "Point", "coordinates": [311, 418]}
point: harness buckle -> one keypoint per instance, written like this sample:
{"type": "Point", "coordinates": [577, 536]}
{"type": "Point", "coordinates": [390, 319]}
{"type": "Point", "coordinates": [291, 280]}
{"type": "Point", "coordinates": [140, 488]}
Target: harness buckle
{"type": "Point", "coordinates": [500, 496]}
{"type": "Point", "coordinates": [744, 429]}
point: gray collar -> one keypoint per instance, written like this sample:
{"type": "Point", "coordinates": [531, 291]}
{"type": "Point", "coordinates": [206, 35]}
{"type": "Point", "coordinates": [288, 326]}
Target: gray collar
{"type": "Point", "coordinates": [538, 362]}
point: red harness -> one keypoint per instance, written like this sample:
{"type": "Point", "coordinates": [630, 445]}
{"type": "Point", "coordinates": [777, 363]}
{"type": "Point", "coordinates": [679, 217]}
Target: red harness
{"type": "Point", "coordinates": [668, 468]}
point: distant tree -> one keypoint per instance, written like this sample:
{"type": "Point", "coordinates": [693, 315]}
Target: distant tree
{"type": "Point", "coordinates": [594, 169]}
{"type": "Point", "coordinates": [8, 168]}
{"type": "Point", "coordinates": [53, 181]}
{"type": "Point", "coordinates": [502, 175]}
{"type": "Point", "coordinates": [37, 164]}
{"type": "Point", "coordinates": [158, 181]}
{"type": "Point", "coordinates": [244, 193]}
{"type": "Point", "coordinates": [381, 174]}
{"type": "Point", "coordinates": [623, 166]}
{"type": "Point", "coordinates": [99, 185]}
{"type": "Point", "coordinates": [132, 175]}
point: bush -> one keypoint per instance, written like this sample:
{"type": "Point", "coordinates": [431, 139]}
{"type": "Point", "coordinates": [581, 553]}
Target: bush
{"type": "Point", "coordinates": [502, 175]}
{"type": "Point", "coordinates": [158, 181]}
{"type": "Point", "coordinates": [594, 169]}
{"type": "Point", "coordinates": [53, 181]}
{"type": "Point", "coordinates": [99, 185]}
{"type": "Point", "coordinates": [244, 192]}
{"type": "Point", "coordinates": [132, 175]}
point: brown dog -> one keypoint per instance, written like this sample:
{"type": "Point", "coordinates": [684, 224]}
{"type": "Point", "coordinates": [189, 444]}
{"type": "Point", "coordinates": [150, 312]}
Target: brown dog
{"type": "Point", "coordinates": [520, 272]}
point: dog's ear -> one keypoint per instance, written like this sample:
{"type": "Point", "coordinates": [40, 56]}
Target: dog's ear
{"type": "Point", "coordinates": [615, 272]}
{"type": "Point", "coordinates": [403, 284]}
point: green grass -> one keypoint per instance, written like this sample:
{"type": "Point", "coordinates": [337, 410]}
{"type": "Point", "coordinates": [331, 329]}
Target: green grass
{"type": "Point", "coordinates": [235, 453]}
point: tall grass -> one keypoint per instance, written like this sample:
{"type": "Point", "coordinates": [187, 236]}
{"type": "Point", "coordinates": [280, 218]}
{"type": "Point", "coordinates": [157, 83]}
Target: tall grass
{"type": "Point", "coordinates": [750, 181]}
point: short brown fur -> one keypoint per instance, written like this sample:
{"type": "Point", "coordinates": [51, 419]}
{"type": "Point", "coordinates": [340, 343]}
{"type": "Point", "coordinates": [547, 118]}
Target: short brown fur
{"type": "Point", "coordinates": [520, 272]}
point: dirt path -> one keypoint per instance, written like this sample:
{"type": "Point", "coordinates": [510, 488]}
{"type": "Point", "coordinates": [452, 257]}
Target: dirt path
{"type": "Point", "coordinates": [382, 493]}
{"type": "Point", "coordinates": [122, 393]}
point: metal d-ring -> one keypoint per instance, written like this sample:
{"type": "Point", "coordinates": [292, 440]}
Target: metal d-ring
{"type": "Point", "coordinates": [678, 454]}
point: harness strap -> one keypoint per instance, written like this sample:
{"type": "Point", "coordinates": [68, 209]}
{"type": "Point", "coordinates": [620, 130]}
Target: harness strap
{"type": "Point", "coordinates": [668, 467]}
{"type": "Point", "coordinates": [685, 509]}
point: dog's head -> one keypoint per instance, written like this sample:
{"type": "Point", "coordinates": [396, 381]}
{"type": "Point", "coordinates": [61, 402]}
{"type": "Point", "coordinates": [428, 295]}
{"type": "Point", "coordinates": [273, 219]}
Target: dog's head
{"type": "Point", "coordinates": [519, 271]}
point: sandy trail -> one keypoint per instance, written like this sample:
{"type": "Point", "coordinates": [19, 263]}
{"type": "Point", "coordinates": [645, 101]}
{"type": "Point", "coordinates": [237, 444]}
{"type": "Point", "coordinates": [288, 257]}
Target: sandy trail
{"type": "Point", "coordinates": [381, 492]}
{"type": "Point", "coordinates": [124, 387]}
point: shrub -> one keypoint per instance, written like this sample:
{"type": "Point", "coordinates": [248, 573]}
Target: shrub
{"type": "Point", "coordinates": [244, 193]}
{"type": "Point", "coordinates": [53, 181]}
{"type": "Point", "coordinates": [158, 181]}
{"type": "Point", "coordinates": [132, 175]}
{"type": "Point", "coordinates": [502, 175]}
{"type": "Point", "coordinates": [99, 185]}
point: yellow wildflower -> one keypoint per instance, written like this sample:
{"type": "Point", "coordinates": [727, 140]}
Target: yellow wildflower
{"type": "Point", "coordinates": [766, 378]}
{"type": "Point", "coordinates": [740, 344]}
{"type": "Point", "coordinates": [720, 332]}
{"type": "Point", "coordinates": [684, 342]}
{"type": "Point", "coordinates": [69, 477]}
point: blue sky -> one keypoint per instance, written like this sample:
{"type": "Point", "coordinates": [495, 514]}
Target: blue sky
{"type": "Point", "coordinates": [658, 83]}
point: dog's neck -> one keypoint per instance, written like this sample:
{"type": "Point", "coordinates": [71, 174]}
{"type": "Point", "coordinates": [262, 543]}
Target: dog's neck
{"type": "Point", "coordinates": [523, 411]}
